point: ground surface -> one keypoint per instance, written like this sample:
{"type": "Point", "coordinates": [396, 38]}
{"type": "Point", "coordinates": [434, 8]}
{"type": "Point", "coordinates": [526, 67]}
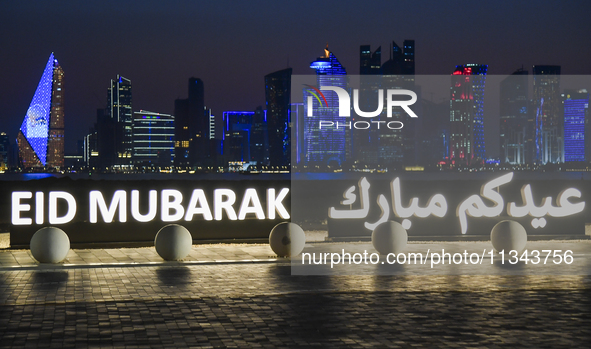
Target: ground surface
{"type": "Point", "coordinates": [240, 296]}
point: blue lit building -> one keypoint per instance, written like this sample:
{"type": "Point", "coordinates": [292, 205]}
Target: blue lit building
{"type": "Point", "coordinates": [41, 136]}
{"type": "Point", "coordinates": [576, 113]}
{"type": "Point", "coordinates": [153, 139]}
{"type": "Point", "coordinates": [328, 145]}
{"type": "Point", "coordinates": [467, 115]}
{"type": "Point", "coordinates": [237, 133]}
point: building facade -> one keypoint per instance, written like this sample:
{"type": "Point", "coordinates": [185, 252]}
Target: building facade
{"type": "Point", "coordinates": [41, 136]}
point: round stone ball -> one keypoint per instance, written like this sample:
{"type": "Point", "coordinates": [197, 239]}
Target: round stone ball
{"type": "Point", "coordinates": [287, 239]}
{"type": "Point", "coordinates": [173, 242]}
{"type": "Point", "coordinates": [50, 245]}
{"type": "Point", "coordinates": [389, 237]}
{"type": "Point", "coordinates": [508, 235]}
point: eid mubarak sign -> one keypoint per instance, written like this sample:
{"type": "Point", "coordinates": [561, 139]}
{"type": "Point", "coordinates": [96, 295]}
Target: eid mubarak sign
{"type": "Point", "coordinates": [133, 211]}
{"type": "Point", "coordinates": [439, 208]}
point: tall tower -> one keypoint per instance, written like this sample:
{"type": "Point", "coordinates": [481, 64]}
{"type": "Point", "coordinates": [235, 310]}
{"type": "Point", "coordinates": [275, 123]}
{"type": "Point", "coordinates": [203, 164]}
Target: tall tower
{"type": "Point", "coordinates": [277, 98]}
{"type": "Point", "coordinates": [41, 136]}
{"type": "Point", "coordinates": [549, 121]}
{"type": "Point", "coordinates": [194, 147]}
{"type": "Point", "coordinates": [326, 146]}
{"type": "Point", "coordinates": [119, 110]}
{"type": "Point", "coordinates": [514, 126]}
{"type": "Point", "coordinates": [467, 114]}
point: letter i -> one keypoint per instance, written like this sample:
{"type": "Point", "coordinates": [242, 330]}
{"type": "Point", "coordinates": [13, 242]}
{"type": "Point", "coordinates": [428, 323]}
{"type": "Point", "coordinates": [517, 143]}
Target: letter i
{"type": "Point", "coordinates": [39, 207]}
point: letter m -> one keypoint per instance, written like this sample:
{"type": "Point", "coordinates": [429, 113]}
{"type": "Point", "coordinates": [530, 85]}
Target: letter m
{"type": "Point", "coordinates": [97, 202]}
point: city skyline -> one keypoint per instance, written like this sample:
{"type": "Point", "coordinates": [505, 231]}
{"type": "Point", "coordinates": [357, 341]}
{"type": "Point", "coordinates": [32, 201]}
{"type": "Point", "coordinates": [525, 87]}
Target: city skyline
{"type": "Point", "coordinates": [231, 48]}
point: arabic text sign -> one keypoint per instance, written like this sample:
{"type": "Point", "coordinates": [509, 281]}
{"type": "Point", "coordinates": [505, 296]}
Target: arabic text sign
{"type": "Point", "coordinates": [456, 208]}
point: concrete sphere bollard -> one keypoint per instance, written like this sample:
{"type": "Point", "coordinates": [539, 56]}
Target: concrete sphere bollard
{"type": "Point", "coordinates": [508, 235]}
{"type": "Point", "coordinates": [50, 245]}
{"type": "Point", "coordinates": [287, 239]}
{"type": "Point", "coordinates": [173, 242]}
{"type": "Point", "coordinates": [389, 237]}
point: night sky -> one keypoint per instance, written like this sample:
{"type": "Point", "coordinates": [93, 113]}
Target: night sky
{"type": "Point", "coordinates": [231, 45]}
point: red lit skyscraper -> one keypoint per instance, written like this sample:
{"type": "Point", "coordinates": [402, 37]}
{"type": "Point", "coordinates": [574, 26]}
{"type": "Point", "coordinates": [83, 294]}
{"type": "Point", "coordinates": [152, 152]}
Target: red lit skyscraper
{"type": "Point", "coordinates": [467, 114]}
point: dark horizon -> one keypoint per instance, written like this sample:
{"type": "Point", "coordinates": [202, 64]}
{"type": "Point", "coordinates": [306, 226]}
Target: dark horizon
{"type": "Point", "coordinates": [232, 46]}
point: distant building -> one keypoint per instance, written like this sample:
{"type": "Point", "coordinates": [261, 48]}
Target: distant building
{"type": "Point", "coordinates": [153, 139]}
{"type": "Point", "coordinates": [467, 115]}
{"type": "Point", "coordinates": [277, 97]}
{"type": "Point", "coordinates": [549, 120]}
{"type": "Point", "coordinates": [400, 146]}
{"type": "Point", "coordinates": [237, 136]}
{"type": "Point", "coordinates": [119, 110]}
{"type": "Point", "coordinates": [326, 146]}
{"type": "Point", "coordinates": [41, 136]}
{"type": "Point", "coordinates": [364, 143]}
{"type": "Point", "coordinates": [576, 118]}
{"type": "Point", "coordinates": [4, 151]}
{"type": "Point", "coordinates": [370, 63]}
{"type": "Point", "coordinates": [259, 138]}
{"type": "Point", "coordinates": [194, 146]}
{"type": "Point", "coordinates": [516, 132]}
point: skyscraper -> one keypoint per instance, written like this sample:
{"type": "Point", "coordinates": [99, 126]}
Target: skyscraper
{"type": "Point", "coordinates": [194, 148]}
{"type": "Point", "coordinates": [119, 110]}
{"type": "Point", "coordinates": [41, 136]}
{"type": "Point", "coordinates": [326, 146]}
{"type": "Point", "coordinates": [576, 115]}
{"type": "Point", "coordinates": [400, 146]}
{"type": "Point", "coordinates": [467, 114]}
{"type": "Point", "coordinates": [515, 130]}
{"type": "Point", "coordinates": [370, 63]}
{"type": "Point", "coordinates": [277, 98]}
{"type": "Point", "coordinates": [549, 120]}
{"type": "Point", "coordinates": [364, 143]}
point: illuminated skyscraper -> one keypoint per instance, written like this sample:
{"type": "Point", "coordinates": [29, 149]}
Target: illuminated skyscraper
{"type": "Point", "coordinates": [41, 136]}
{"type": "Point", "coordinates": [549, 120]}
{"type": "Point", "coordinates": [467, 114]}
{"type": "Point", "coordinates": [576, 114]}
{"type": "Point", "coordinates": [119, 110]}
{"type": "Point", "coordinates": [515, 130]}
{"type": "Point", "coordinates": [325, 146]}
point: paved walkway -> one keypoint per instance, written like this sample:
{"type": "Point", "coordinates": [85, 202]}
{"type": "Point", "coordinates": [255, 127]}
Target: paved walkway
{"type": "Point", "coordinates": [235, 296]}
